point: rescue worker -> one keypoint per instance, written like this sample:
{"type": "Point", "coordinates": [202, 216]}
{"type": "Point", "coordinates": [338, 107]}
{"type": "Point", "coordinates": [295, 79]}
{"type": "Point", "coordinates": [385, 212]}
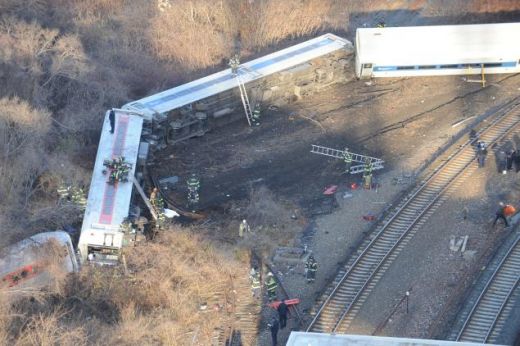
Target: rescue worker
{"type": "Point", "coordinates": [273, 327]}
{"type": "Point", "coordinates": [282, 314]}
{"type": "Point", "coordinates": [367, 174]}
{"type": "Point", "coordinates": [156, 200]}
{"type": "Point", "coordinates": [502, 162]}
{"type": "Point", "coordinates": [504, 212]}
{"type": "Point", "coordinates": [271, 286]}
{"type": "Point", "coordinates": [153, 196]}
{"type": "Point", "coordinates": [160, 224]}
{"type": "Point", "coordinates": [509, 159]}
{"type": "Point", "coordinates": [234, 63]}
{"type": "Point", "coordinates": [193, 190]}
{"type": "Point", "coordinates": [78, 198]}
{"type": "Point", "coordinates": [64, 191]}
{"type": "Point", "coordinates": [256, 115]}
{"type": "Point", "coordinates": [481, 153]}
{"type": "Point", "coordinates": [311, 266]}
{"type": "Point", "coordinates": [244, 227]}
{"type": "Point", "coordinates": [254, 276]}
{"type": "Point", "coordinates": [516, 159]}
{"type": "Point", "coordinates": [472, 134]}
{"type": "Point", "coordinates": [347, 157]}
{"type": "Point", "coordinates": [112, 119]}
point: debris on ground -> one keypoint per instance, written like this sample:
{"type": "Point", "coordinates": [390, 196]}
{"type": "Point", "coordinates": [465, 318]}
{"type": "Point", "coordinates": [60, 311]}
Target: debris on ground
{"type": "Point", "coordinates": [330, 190]}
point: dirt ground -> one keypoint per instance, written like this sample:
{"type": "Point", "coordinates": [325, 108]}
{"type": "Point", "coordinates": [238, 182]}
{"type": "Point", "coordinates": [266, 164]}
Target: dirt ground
{"type": "Point", "coordinates": [276, 154]}
{"type": "Point", "coordinates": [416, 117]}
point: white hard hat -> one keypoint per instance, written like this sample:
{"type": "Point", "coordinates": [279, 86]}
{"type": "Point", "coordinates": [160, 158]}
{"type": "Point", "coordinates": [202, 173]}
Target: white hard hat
{"type": "Point", "coordinates": [244, 221]}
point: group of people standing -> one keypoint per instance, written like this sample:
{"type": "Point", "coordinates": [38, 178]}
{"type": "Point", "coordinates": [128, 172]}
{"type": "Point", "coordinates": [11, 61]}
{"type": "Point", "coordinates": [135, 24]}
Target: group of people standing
{"type": "Point", "coordinates": [271, 285]}
{"type": "Point", "coordinates": [506, 160]}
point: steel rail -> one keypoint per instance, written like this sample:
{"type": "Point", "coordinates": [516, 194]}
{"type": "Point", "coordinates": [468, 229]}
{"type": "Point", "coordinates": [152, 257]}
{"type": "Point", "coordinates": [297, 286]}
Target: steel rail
{"type": "Point", "coordinates": [465, 334]}
{"type": "Point", "coordinates": [445, 183]}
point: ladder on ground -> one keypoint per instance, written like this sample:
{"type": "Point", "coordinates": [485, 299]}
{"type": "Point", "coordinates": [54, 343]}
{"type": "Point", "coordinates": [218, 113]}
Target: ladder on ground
{"type": "Point", "coordinates": [340, 154]}
{"type": "Point", "coordinates": [245, 99]}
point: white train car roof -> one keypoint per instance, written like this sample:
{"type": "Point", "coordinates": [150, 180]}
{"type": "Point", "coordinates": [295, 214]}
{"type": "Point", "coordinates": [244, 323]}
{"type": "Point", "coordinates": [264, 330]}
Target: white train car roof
{"type": "Point", "coordinates": [225, 80]}
{"type": "Point", "coordinates": [444, 44]}
{"type": "Point", "coordinates": [326, 339]}
{"type": "Point", "coordinates": [107, 204]}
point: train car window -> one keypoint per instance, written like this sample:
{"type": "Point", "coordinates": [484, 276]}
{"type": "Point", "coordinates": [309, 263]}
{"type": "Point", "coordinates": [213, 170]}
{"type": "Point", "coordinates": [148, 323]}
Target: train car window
{"type": "Point", "coordinates": [405, 67]}
{"type": "Point", "coordinates": [367, 65]}
{"type": "Point", "coordinates": [495, 64]}
{"type": "Point", "coordinates": [449, 66]}
{"type": "Point", "coordinates": [427, 67]}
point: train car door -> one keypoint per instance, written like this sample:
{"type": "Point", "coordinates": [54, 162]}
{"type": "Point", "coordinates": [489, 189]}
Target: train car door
{"type": "Point", "coordinates": [366, 70]}
{"type": "Point", "coordinates": [109, 240]}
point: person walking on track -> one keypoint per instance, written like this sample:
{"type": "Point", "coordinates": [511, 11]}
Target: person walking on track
{"type": "Point", "coordinates": [504, 212]}
{"type": "Point", "coordinates": [273, 327]}
{"type": "Point", "coordinates": [282, 314]}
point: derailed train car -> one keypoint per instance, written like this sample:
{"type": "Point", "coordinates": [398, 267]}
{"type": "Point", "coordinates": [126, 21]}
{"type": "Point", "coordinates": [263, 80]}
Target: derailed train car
{"type": "Point", "coordinates": [190, 110]}
{"type": "Point", "coordinates": [35, 262]}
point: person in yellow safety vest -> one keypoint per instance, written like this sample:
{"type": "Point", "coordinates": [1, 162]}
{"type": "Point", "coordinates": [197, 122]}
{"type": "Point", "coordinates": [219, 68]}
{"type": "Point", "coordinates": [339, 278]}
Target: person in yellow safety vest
{"type": "Point", "coordinates": [78, 198]}
{"type": "Point", "coordinates": [193, 191]}
{"type": "Point", "coordinates": [311, 267]}
{"type": "Point", "coordinates": [64, 191]}
{"type": "Point", "coordinates": [244, 227]}
{"type": "Point", "coordinates": [271, 286]}
{"type": "Point", "coordinates": [347, 157]}
{"type": "Point", "coordinates": [234, 63]}
{"type": "Point", "coordinates": [254, 276]}
{"type": "Point", "coordinates": [367, 174]}
{"type": "Point", "coordinates": [255, 119]}
{"type": "Point", "coordinates": [161, 220]}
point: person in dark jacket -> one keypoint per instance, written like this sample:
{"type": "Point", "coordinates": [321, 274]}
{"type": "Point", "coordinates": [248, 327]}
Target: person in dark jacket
{"type": "Point", "coordinates": [273, 327]}
{"type": "Point", "coordinates": [481, 153]}
{"type": "Point", "coordinates": [282, 314]}
{"type": "Point", "coordinates": [516, 160]}
{"type": "Point", "coordinates": [112, 119]}
{"type": "Point", "coordinates": [509, 159]}
{"type": "Point", "coordinates": [502, 162]}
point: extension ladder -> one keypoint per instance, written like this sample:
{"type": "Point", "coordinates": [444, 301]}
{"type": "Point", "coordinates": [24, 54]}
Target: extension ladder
{"type": "Point", "coordinates": [340, 154]}
{"type": "Point", "coordinates": [245, 99]}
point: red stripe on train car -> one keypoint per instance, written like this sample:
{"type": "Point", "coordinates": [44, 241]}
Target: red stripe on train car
{"type": "Point", "coordinates": [109, 195]}
{"type": "Point", "coordinates": [21, 274]}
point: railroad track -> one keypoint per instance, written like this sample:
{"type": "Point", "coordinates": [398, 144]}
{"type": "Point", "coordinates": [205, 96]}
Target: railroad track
{"type": "Point", "coordinates": [493, 306]}
{"type": "Point", "coordinates": [241, 325]}
{"type": "Point", "coordinates": [354, 282]}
